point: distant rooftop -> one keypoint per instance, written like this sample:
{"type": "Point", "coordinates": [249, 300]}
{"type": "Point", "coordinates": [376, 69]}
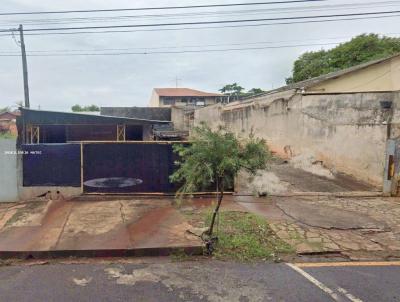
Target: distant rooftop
{"type": "Point", "coordinates": [183, 92]}
{"type": "Point", "coordinates": [13, 113]}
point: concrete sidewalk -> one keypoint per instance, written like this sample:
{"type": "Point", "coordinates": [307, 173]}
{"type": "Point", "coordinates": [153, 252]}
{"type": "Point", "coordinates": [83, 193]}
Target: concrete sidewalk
{"type": "Point", "coordinates": [359, 228]}
{"type": "Point", "coordinates": [94, 228]}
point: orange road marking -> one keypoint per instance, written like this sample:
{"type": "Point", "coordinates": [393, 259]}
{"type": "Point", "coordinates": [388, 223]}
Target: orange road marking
{"type": "Point", "coordinates": [343, 264]}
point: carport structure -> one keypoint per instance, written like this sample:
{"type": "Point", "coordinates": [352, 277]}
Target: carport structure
{"type": "Point", "coordinates": [99, 154]}
{"type": "Point", "coordinates": [47, 127]}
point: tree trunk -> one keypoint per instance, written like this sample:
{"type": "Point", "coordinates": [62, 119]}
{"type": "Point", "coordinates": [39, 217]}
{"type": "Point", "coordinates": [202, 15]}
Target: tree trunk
{"type": "Point", "coordinates": [220, 190]}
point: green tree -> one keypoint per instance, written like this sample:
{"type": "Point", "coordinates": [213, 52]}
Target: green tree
{"type": "Point", "coordinates": [79, 108]}
{"type": "Point", "coordinates": [92, 108]}
{"type": "Point", "coordinates": [5, 109]}
{"type": "Point", "coordinates": [254, 91]}
{"type": "Point", "coordinates": [360, 49]}
{"type": "Point", "coordinates": [233, 90]}
{"type": "Point", "coordinates": [215, 158]}
{"type": "Point", "coordinates": [76, 108]}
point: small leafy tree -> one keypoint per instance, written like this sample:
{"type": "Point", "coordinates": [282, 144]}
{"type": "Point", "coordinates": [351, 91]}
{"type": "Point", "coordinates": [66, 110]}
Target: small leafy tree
{"type": "Point", "coordinates": [215, 158]}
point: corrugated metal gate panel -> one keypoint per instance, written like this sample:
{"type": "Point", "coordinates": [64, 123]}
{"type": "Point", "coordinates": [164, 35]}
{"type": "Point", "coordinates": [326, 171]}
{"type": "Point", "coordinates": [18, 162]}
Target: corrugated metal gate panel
{"type": "Point", "coordinates": [51, 165]}
{"type": "Point", "coordinates": [125, 168]}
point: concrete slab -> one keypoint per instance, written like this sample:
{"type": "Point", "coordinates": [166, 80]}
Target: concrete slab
{"type": "Point", "coordinates": [108, 227]}
{"type": "Point", "coordinates": [329, 218]}
{"type": "Point", "coordinates": [354, 227]}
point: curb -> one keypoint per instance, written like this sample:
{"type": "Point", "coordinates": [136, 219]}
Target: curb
{"type": "Point", "coordinates": [137, 252]}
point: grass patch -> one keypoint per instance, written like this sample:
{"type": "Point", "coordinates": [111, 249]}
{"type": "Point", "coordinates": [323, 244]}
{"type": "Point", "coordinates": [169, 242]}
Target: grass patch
{"type": "Point", "coordinates": [179, 255]}
{"type": "Point", "coordinates": [247, 237]}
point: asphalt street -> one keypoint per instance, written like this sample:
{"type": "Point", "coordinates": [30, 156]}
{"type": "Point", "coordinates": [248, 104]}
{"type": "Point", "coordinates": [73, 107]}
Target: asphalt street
{"type": "Point", "coordinates": [201, 281]}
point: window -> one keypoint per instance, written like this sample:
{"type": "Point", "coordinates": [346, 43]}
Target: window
{"type": "Point", "coordinates": [168, 101]}
{"type": "Point", "coordinates": [198, 101]}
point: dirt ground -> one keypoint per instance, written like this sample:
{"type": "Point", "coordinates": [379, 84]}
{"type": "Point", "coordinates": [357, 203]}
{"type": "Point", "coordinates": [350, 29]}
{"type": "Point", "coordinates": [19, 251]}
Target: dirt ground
{"type": "Point", "coordinates": [282, 177]}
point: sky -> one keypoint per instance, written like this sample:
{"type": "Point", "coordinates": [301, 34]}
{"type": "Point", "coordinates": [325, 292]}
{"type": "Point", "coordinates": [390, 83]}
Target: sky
{"type": "Point", "coordinates": [59, 82]}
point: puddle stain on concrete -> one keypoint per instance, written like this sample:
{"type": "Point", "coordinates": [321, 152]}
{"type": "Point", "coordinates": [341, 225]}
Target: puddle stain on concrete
{"type": "Point", "coordinates": [112, 224]}
{"type": "Point", "coordinates": [82, 282]}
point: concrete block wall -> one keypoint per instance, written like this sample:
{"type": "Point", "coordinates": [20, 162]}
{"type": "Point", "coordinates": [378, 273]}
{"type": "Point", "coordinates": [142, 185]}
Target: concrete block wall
{"type": "Point", "coordinates": [348, 132]}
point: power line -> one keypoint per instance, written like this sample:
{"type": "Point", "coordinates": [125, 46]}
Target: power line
{"type": "Point", "coordinates": [203, 27]}
{"type": "Point", "coordinates": [171, 52]}
{"type": "Point", "coordinates": [187, 46]}
{"type": "Point", "coordinates": [156, 8]}
{"type": "Point", "coordinates": [371, 16]}
{"type": "Point", "coordinates": [151, 48]}
{"type": "Point", "coordinates": [203, 14]}
{"type": "Point", "coordinates": [208, 22]}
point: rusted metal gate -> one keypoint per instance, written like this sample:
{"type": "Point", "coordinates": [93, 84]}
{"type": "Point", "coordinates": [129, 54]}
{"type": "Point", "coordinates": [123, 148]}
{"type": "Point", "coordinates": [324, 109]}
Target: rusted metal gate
{"type": "Point", "coordinates": [127, 167]}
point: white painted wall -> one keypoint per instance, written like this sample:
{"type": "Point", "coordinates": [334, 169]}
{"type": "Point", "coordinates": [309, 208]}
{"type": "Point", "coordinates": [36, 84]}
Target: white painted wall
{"type": "Point", "coordinates": [8, 171]}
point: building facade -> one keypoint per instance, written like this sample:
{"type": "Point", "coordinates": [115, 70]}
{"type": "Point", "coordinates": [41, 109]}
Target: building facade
{"type": "Point", "coordinates": [183, 97]}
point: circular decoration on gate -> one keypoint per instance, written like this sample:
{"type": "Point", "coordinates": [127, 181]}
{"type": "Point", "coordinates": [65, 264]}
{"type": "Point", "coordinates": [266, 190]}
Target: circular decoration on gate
{"type": "Point", "coordinates": [113, 182]}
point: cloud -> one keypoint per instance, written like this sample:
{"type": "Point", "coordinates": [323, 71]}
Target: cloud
{"type": "Point", "coordinates": [59, 82]}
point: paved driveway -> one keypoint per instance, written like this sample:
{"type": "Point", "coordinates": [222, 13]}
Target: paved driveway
{"type": "Point", "coordinates": [90, 226]}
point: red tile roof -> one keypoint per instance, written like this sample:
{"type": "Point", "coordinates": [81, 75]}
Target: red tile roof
{"type": "Point", "coordinates": [9, 115]}
{"type": "Point", "coordinates": [183, 92]}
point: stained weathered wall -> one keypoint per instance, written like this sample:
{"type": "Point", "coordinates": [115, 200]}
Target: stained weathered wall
{"type": "Point", "coordinates": [348, 132]}
{"type": "Point", "coordinates": [178, 118]}
{"type": "Point", "coordinates": [210, 115]}
{"type": "Point", "coordinates": [8, 171]}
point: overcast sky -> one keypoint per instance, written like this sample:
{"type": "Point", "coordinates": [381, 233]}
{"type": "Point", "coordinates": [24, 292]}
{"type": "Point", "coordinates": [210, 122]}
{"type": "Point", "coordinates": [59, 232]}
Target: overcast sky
{"type": "Point", "coordinates": [57, 83]}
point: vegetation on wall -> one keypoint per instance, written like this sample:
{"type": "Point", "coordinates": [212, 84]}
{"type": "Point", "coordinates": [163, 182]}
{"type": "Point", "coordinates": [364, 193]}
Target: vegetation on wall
{"type": "Point", "coordinates": [360, 49]}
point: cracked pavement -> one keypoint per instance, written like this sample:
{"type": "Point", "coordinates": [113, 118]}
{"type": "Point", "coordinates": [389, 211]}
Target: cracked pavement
{"type": "Point", "coordinates": [159, 279]}
{"type": "Point", "coordinates": [93, 225]}
{"type": "Point", "coordinates": [356, 227]}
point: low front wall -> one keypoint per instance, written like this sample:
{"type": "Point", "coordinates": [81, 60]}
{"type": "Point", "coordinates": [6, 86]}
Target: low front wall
{"type": "Point", "coordinates": [8, 171]}
{"type": "Point", "coordinates": [26, 193]}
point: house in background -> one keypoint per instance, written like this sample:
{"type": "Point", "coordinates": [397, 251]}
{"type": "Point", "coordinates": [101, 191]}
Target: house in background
{"type": "Point", "coordinates": [183, 97]}
{"type": "Point", "coordinates": [8, 122]}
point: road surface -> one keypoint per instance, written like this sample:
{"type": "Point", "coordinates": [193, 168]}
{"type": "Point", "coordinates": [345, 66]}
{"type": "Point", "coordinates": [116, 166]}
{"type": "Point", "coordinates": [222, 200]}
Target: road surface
{"type": "Point", "coordinates": [201, 281]}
